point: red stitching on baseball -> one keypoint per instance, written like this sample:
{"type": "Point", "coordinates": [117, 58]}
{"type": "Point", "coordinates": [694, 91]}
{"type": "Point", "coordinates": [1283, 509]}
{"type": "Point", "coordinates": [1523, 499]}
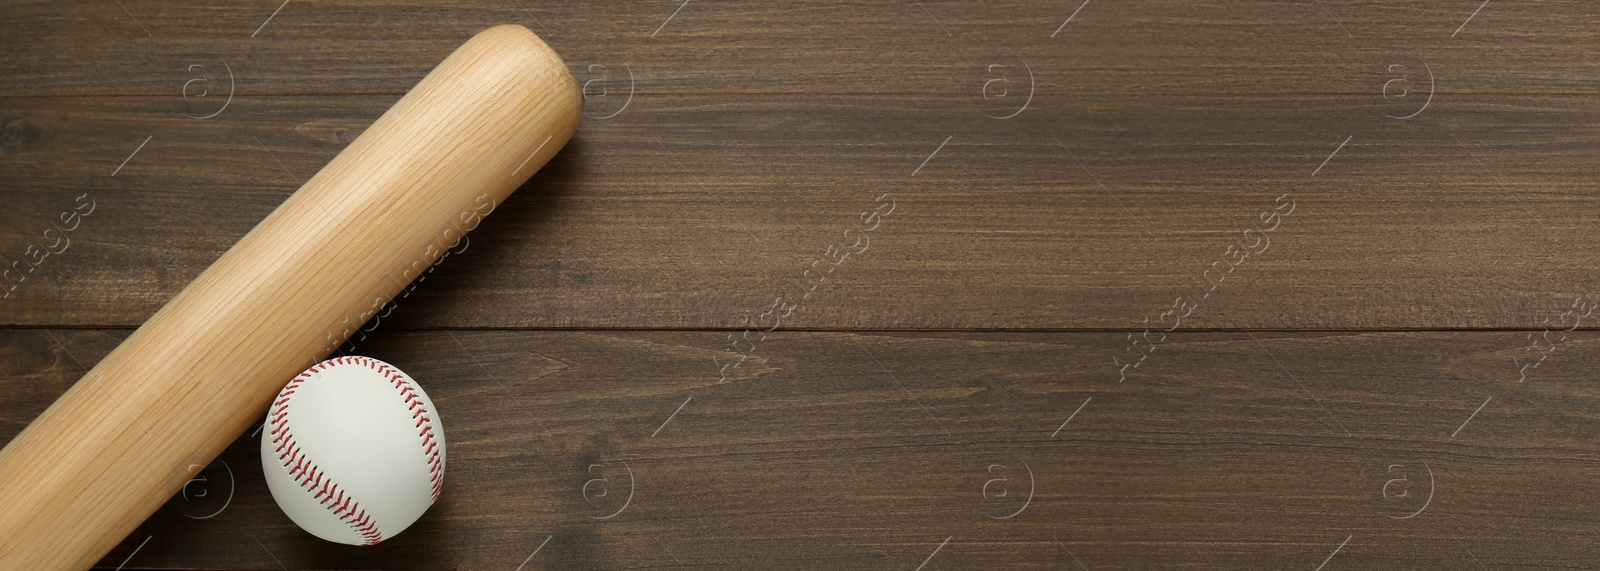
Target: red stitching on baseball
{"type": "Point", "coordinates": [309, 477]}
{"type": "Point", "coordinates": [408, 390]}
{"type": "Point", "coordinates": [344, 506]}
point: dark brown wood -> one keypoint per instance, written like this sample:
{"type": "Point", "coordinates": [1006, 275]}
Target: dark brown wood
{"type": "Point", "coordinates": [692, 211]}
{"type": "Point", "coordinates": [1363, 367]}
{"type": "Point", "coordinates": [811, 46]}
{"type": "Point", "coordinates": [843, 450]}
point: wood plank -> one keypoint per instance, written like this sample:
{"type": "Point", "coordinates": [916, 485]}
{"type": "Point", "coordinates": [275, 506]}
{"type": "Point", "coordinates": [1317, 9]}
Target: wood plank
{"type": "Point", "coordinates": [729, 145]}
{"type": "Point", "coordinates": [850, 451]}
{"type": "Point", "coordinates": [934, 46]}
{"type": "Point", "coordinates": [699, 211]}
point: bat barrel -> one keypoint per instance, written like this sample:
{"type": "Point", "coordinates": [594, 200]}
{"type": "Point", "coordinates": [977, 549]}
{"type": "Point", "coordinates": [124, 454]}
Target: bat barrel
{"type": "Point", "coordinates": [198, 373]}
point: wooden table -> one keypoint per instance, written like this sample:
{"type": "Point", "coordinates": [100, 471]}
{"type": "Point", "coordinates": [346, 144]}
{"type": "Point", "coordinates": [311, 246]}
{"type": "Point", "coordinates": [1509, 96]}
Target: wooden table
{"type": "Point", "coordinates": [893, 285]}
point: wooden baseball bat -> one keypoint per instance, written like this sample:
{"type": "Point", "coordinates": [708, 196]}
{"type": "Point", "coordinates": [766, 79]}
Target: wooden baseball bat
{"type": "Point", "coordinates": [203, 369]}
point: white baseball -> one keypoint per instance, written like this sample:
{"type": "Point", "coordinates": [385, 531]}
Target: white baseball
{"type": "Point", "coordinates": [353, 450]}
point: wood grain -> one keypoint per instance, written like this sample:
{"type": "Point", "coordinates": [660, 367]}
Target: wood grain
{"type": "Point", "coordinates": [116, 445]}
{"type": "Point", "coordinates": [690, 211]}
{"type": "Point", "coordinates": [816, 46]}
{"type": "Point", "coordinates": [1362, 367]}
{"type": "Point", "coordinates": [856, 451]}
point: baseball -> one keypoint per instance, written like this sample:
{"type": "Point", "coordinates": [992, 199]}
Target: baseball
{"type": "Point", "coordinates": [354, 450]}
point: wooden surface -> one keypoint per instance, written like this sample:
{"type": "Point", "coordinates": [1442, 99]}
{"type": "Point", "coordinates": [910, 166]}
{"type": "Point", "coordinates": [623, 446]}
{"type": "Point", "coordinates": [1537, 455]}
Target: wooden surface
{"type": "Point", "coordinates": [1362, 367]}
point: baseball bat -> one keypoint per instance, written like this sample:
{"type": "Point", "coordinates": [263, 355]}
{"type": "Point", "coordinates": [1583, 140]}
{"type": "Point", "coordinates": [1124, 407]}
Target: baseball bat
{"type": "Point", "coordinates": [198, 373]}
